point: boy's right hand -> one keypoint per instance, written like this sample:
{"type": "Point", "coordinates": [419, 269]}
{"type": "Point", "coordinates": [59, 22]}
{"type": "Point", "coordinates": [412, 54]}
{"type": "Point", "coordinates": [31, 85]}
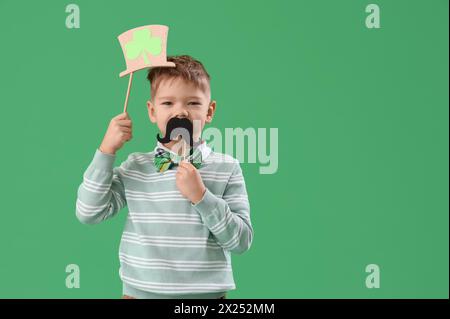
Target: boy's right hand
{"type": "Point", "coordinates": [119, 132]}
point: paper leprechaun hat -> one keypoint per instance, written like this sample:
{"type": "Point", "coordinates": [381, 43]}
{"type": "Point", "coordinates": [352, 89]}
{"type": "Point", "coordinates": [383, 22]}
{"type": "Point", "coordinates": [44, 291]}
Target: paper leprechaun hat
{"type": "Point", "coordinates": [145, 47]}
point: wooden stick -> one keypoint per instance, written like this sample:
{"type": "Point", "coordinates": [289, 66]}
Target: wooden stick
{"type": "Point", "coordinates": [183, 149]}
{"type": "Point", "coordinates": [191, 152]}
{"type": "Point", "coordinates": [128, 92]}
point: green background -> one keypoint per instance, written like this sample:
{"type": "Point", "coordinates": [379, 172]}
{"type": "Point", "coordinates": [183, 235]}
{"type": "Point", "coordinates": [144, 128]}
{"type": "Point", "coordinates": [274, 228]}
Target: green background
{"type": "Point", "coordinates": [362, 116]}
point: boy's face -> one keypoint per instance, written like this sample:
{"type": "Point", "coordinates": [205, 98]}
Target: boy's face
{"type": "Point", "coordinates": [178, 98]}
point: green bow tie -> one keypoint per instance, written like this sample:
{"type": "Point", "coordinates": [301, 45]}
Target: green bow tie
{"type": "Point", "coordinates": [165, 160]}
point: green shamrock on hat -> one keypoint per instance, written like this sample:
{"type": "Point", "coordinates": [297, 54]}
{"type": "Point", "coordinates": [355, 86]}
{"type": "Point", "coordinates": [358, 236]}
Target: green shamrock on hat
{"type": "Point", "coordinates": [143, 43]}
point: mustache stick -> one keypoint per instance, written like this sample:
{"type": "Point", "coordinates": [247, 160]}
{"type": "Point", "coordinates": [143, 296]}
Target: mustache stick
{"type": "Point", "coordinates": [183, 149]}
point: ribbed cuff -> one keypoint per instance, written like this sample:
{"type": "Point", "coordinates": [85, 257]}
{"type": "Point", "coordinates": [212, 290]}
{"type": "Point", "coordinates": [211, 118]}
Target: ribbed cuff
{"type": "Point", "coordinates": [207, 204]}
{"type": "Point", "coordinates": [103, 161]}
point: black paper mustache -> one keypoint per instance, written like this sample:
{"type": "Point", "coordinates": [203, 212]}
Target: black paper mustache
{"type": "Point", "coordinates": [179, 126]}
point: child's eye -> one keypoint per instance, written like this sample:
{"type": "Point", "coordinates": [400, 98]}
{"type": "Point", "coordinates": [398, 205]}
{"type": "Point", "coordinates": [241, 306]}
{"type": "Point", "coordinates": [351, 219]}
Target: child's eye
{"type": "Point", "coordinates": [170, 103]}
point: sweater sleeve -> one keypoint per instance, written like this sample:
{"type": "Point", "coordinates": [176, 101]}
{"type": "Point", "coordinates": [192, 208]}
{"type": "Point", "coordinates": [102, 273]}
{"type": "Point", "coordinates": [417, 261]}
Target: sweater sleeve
{"type": "Point", "coordinates": [101, 195]}
{"type": "Point", "coordinates": [228, 218]}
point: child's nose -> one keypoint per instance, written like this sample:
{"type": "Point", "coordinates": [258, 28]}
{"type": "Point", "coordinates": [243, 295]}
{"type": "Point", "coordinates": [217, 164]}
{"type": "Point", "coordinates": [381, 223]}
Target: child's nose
{"type": "Point", "coordinates": [181, 112]}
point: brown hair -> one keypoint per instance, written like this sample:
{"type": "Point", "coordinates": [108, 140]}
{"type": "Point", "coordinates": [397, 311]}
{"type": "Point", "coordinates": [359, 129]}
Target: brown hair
{"type": "Point", "coordinates": [186, 67]}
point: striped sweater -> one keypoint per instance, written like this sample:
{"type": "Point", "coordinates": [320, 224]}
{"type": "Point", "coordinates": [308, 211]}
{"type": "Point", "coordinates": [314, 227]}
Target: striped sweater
{"type": "Point", "coordinates": [170, 248]}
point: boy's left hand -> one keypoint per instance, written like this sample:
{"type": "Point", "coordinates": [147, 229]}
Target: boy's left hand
{"type": "Point", "coordinates": [189, 182]}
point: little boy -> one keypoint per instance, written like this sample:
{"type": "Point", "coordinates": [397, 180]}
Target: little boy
{"type": "Point", "coordinates": [186, 213]}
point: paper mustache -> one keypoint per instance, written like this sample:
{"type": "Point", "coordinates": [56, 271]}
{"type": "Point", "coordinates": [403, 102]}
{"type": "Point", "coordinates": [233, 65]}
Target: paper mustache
{"type": "Point", "coordinates": [176, 127]}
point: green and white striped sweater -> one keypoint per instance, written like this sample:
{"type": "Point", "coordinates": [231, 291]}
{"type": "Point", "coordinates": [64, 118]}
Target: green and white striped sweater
{"type": "Point", "coordinates": [171, 248]}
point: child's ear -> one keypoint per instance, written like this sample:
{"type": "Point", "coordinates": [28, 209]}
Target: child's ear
{"type": "Point", "coordinates": [211, 111]}
{"type": "Point", "coordinates": [151, 111]}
